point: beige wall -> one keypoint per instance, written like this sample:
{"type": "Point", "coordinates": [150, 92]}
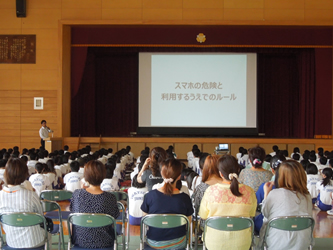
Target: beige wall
{"type": "Point", "coordinates": [49, 77]}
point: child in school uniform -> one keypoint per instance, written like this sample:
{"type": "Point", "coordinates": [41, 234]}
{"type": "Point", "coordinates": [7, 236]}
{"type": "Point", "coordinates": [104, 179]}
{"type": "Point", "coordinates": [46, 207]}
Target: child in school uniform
{"type": "Point", "coordinates": [110, 183]}
{"type": "Point", "coordinates": [312, 179]}
{"type": "Point", "coordinates": [72, 179]}
{"type": "Point", "coordinates": [39, 181]}
{"type": "Point", "coordinates": [135, 199]}
{"type": "Point", "coordinates": [325, 188]}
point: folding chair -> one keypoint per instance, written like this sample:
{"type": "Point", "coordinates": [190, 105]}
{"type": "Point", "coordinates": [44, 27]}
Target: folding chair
{"type": "Point", "coordinates": [91, 221]}
{"type": "Point", "coordinates": [228, 224]}
{"type": "Point", "coordinates": [56, 195]}
{"type": "Point", "coordinates": [23, 220]}
{"type": "Point", "coordinates": [290, 223]}
{"type": "Point", "coordinates": [123, 217]}
{"type": "Point", "coordinates": [163, 221]}
{"type": "Point", "coordinates": [49, 206]}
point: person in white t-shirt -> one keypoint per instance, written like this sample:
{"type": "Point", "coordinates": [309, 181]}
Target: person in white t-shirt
{"type": "Point", "coordinates": [312, 179]}
{"type": "Point", "coordinates": [39, 181]}
{"type": "Point", "coordinates": [2, 170]}
{"type": "Point", "coordinates": [135, 199]}
{"type": "Point", "coordinates": [58, 183]}
{"type": "Point", "coordinates": [72, 179]}
{"type": "Point", "coordinates": [195, 161]}
{"type": "Point", "coordinates": [58, 165]}
{"type": "Point", "coordinates": [110, 183]}
{"type": "Point", "coordinates": [325, 188]}
{"type": "Point", "coordinates": [31, 164]}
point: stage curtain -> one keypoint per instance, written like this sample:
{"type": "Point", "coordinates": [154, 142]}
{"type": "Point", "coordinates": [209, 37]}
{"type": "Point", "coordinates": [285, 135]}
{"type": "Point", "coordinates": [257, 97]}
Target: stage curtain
{"type": "Point", "coordinates": [107, 100]}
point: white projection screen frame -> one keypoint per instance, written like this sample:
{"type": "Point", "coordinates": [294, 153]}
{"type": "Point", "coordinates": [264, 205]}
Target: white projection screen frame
{"type": "Point", "coordinates": [198, 94]}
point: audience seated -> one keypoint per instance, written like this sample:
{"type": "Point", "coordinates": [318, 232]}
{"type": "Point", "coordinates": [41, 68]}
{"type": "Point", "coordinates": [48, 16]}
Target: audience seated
{"type": "Point", "coordinates": [135, 195]}
{"type": "Point", "coordinates": [255, 175]}
{"type": "Point", "coordinates": [150, 172]}
{"type": "Point", "coordinates": [110, 183]}
{"type": "Point", "coordinates": [39, 181]}
{"type": "Point", "coordinates": [72, 180]}
{"type": "Point", "coordinates": [312, 176]}
{"type": "Point", "coordinates": [167, 200]}
{"type": "Point", "coordinates": [228, 198]}
{"type": "Point", "coordinates": [291, 198]}
{"type": "Point", "coordinates": [325, 189]}
{"type": "Point", "coordinates": [94, 200]}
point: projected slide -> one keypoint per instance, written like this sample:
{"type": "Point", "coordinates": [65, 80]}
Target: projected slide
{"type": "Point", "coordinates": [197, 90]}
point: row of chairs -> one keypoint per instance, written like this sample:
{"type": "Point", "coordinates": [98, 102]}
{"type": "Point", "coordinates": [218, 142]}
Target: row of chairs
{"type": "Point", "coordinates": [52, 210]}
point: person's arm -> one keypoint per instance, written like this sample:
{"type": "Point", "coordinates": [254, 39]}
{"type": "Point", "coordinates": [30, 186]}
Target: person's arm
{"type": "Point", "coordinates": [144, 168]}
{"type": "Point", "coordinates": [267, 189]}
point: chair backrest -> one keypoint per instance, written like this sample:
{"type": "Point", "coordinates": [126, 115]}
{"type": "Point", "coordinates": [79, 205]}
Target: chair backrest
{"type": "Point", "coordinates": [49, 206]}
{"type": "Point", "coordinates": [290, 223]}
{"type": "Point", "coordinates": [55, 195]}
{"type": "Point", "coordinates": [164, 221]}
{"type": "Point", "coordinates": [92, 221]}
{"type": "Point", "coordinates": [228, 223]}
{"type": "Point", "coordinates": [120, 195]}
{"type": "Point", "coordinates": [23, 220]}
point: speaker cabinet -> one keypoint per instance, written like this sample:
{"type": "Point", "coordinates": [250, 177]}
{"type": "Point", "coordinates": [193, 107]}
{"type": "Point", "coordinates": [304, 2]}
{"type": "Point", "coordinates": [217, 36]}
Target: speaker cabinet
{"type": "Point", "coordinates": [21, 8]}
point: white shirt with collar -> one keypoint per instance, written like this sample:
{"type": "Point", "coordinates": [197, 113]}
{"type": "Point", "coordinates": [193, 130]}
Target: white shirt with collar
{"type": "Point", "coordinates": [44, 132]}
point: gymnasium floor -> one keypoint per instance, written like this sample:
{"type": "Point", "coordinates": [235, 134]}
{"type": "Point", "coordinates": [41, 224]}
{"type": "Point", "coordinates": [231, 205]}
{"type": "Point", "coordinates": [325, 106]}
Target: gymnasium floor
{"type": "Point", "coordinates": [323, 231]}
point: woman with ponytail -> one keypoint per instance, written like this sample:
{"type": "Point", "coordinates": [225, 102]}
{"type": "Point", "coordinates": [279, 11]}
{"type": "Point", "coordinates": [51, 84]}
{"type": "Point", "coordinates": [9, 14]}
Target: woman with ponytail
{"type": "Point", "coordinates": [150, 172]}
{"type": "Point", "coordinates": [168, 200]}
{"type": "Point", "coordinates": [228, 198]}
{"type": "Point", "coordinates": [256, 175]}
{"type": "Point", "coordinates": [325, 188]}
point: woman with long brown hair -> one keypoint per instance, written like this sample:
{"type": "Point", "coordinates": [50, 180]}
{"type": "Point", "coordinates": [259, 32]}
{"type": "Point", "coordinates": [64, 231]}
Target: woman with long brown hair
{"type": "Point", "coordinates": [228, 198]}
{"type": "Point", "coordinates": [168, 200]}
{"type": "Point", "coordinates": [290, 198]}
{"type": "Point", "coordinates": [150, 172]}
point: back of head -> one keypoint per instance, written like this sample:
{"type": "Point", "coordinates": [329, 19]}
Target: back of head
{"type": "Point", "coordinates": [75, 166]}
{"type": "Point", "coordinates": [3, 163]}
{"type": "Point", "coordinates": [136, 184]}
{"type": "Point", "coordinates": [285, 153]}
{"type": "Point", "coordinates": [323, 160]}
{"type": "Point", "coordinates": [94, 172]}
{"type": "Point", "coordinates": [229, 168]}
{"type": "Point", "coordinates": [210, 168]}
{"type": "Point", "coordinates": [304, 163]}
{"type": "Point", "coordinates": [196, 152]}
{"type": "Point", "coordinates": [268, 158]}
{"type": "Point", "coordinates": [171, 170]}
{"type": "Point", "coordinates": [331, 163]}
{"type": "Point", "coordinates": [50, 166]}
{"type": "Point", "coordinates": [46, 153]}
{"type": "Point", "coordinates": [40, 155]}
{"type": "Point", "coordinates": [58, 160]}
{"type": "Point", "coordinates": [296, 150]}
{"type": "Point", "coordinates": [320, 150]}
{"type": "Point", "coordinates": [292, 177]}
{"type": "Point", "coordinates": [275, 148]}
{"type": "Point", "coordinates": [296, 157]}
{"type": "Point", "coordinates": [312, 157]}
{"type": "Point", "coordinates": [39, 167]}
{"type": "Point", "coordinates": [195, 146]}
{"type": "Point", "coordinates": [25, 159]}
{"type": "Point", "coordinates": [311, 169]}
{"type": "Point", "coordinates": [257, 156]}
{"type": "Point", "coordinates": [16, 172]}
{"type": "Point", "coordinates": [157, 156]}
{"type": "Point", "coordinates": [202, 159]}
{"type": "Point", "coordinates": [109, 171]}
{"type": "Point", "coordinates": [276, 161]}
{"type": "Point", "coordinates": [66, 148]}
{"type": "Point", "coordinates": [190, 179]}
{"type": "Point", "coordinates": [327, 176]}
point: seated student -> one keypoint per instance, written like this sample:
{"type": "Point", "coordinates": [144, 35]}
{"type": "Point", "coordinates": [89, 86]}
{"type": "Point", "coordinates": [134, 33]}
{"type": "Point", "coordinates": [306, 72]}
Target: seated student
{"type": "Point", "coordinates": [58, 182]}
{"type": "Point", "coordinates": [65, 163]}
{"type": "Point", "coordinates": [81, 163]}
{"type": "Point", "coordinates": [275, 150]}
{"type": "Point", "coordinates": [195, 161]}
{"type": "Point", "coordinates": [139, 165]}
{"type": "Point", "coordinates": [66, 148]}
{"type": "Point", "coordinates": [2, 168]}
{"type": "Point", "coordinates": [325, 188]}
{"type": "Point", "coordinates": [190, 178]}
{"type": "Point", "coordinates": [168, 200]}
{"type": "Point", "coordinates": [39, 181]}
{"type": "Point", "coordinates": [296, 151]}
{"type": "Point", "coordinates": [135, 198]}
{"type": "Point", "coordinates": [31, 164]}
{"type": "Point", "coordinates": [41, 157]}
{"type": "Point", "coordinates": [312, 178]}
{"type": "Point", "coordinates": [25, 152]}
{"type": "Point", "coordinates": [322, 163]}
{"type": "Point", "coordinates": [190, 156]}
{"type": "Point", "coordinates": [72, 179]}
{"type": "Point", "coordinates": [296, 157]}
{"type": "Point", "coordinates": [110, 183]}
{"type": "Point", "coordinates": [58, 165]}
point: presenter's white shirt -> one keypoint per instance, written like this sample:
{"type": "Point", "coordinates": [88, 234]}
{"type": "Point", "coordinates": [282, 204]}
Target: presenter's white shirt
{"type": "Point", "coordinates": [44, 132]}
{"type": "Point", "coordinates": [72, 181]}
{"type": "Point", "coordinates": [109, 185]}
{"type": "Point", "coordinates": [39, 182]}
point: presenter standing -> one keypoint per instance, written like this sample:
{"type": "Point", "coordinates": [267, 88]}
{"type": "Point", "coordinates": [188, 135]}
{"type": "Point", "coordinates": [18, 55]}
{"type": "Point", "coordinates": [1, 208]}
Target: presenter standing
{"type": "Point", "coordinates": [44, 133]}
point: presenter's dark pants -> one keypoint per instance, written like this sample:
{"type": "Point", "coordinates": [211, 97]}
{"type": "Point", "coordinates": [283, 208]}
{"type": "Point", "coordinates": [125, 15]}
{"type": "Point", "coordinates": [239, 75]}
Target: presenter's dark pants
{"type": "Point", "coordinates": [42, 142]}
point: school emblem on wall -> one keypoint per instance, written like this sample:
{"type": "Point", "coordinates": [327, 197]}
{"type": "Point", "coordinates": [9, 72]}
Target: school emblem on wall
{"type": "Point", "coordinates": [201, 38]}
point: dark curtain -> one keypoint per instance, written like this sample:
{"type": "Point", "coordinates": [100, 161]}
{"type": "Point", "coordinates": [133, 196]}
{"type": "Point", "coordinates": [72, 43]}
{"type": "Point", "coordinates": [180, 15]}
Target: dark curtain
{"type": "Point", "coordinates": [107, 100]}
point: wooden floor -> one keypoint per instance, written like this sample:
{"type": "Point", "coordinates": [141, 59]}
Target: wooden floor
{"type": "Point", "coordinates": [323, 227]}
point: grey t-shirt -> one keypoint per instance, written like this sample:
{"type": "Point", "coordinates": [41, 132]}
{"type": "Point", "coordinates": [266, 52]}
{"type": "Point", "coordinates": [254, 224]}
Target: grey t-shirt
{"type": "Point", "coordinates": [151, 180]}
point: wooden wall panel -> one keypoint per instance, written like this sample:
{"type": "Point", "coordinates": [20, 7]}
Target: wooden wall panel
{"type": "Point", "coordinates": [164, 145]}
{"type": "Point", "coordinates": [81, 4]}
{"type": "Point", "coordinates": [199, 4]}
{"type": "Point", "coordinates": [122, 14]}
{"type": "Point", "coordinates": [46, 59]}
{"type": "Point", "coordinates": [243, 14]}
{"type": "Point", "coordinates": [84, 14]}
{"type": "Point", "coordinates": [10, 79]}
{"type": "Point", "coordinates": [284, 4]}
{"type": "Point", "coordinates": [112, 145]}
{"type": "Point", "coordinates": [209, 147]}
{"type": "Point", "coordinates": [203, 14]}
{"type": "Point", "coordinates": [319, 15]}
{"type": "Point", "coordinates": [8, 19]}
{"type": "Point", "coordinates": [162, 14]}
{"type": "Point", "coordinates": [42, 19]}
{"type": "Point", "coordinates": [37, 79]}
{"type": "Point", "coordinates": [318, 4]}
{"type": "Point", "coordinates": [4, 4]}
{"type": "Point", "coordinates": [116, 4]}
{"type": "Point", "coordinates": [181, 149]}
{"type": "Point", "coordinates": [46, 39]}
{"type": "Point", "coordinates": [42, 4]}
{"type": "Point", "coordinates": [243, 4]}
{"type": "Point", "coordinates": [284, 14]}
{"type": "Point", "coordinates": [162, 4]}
